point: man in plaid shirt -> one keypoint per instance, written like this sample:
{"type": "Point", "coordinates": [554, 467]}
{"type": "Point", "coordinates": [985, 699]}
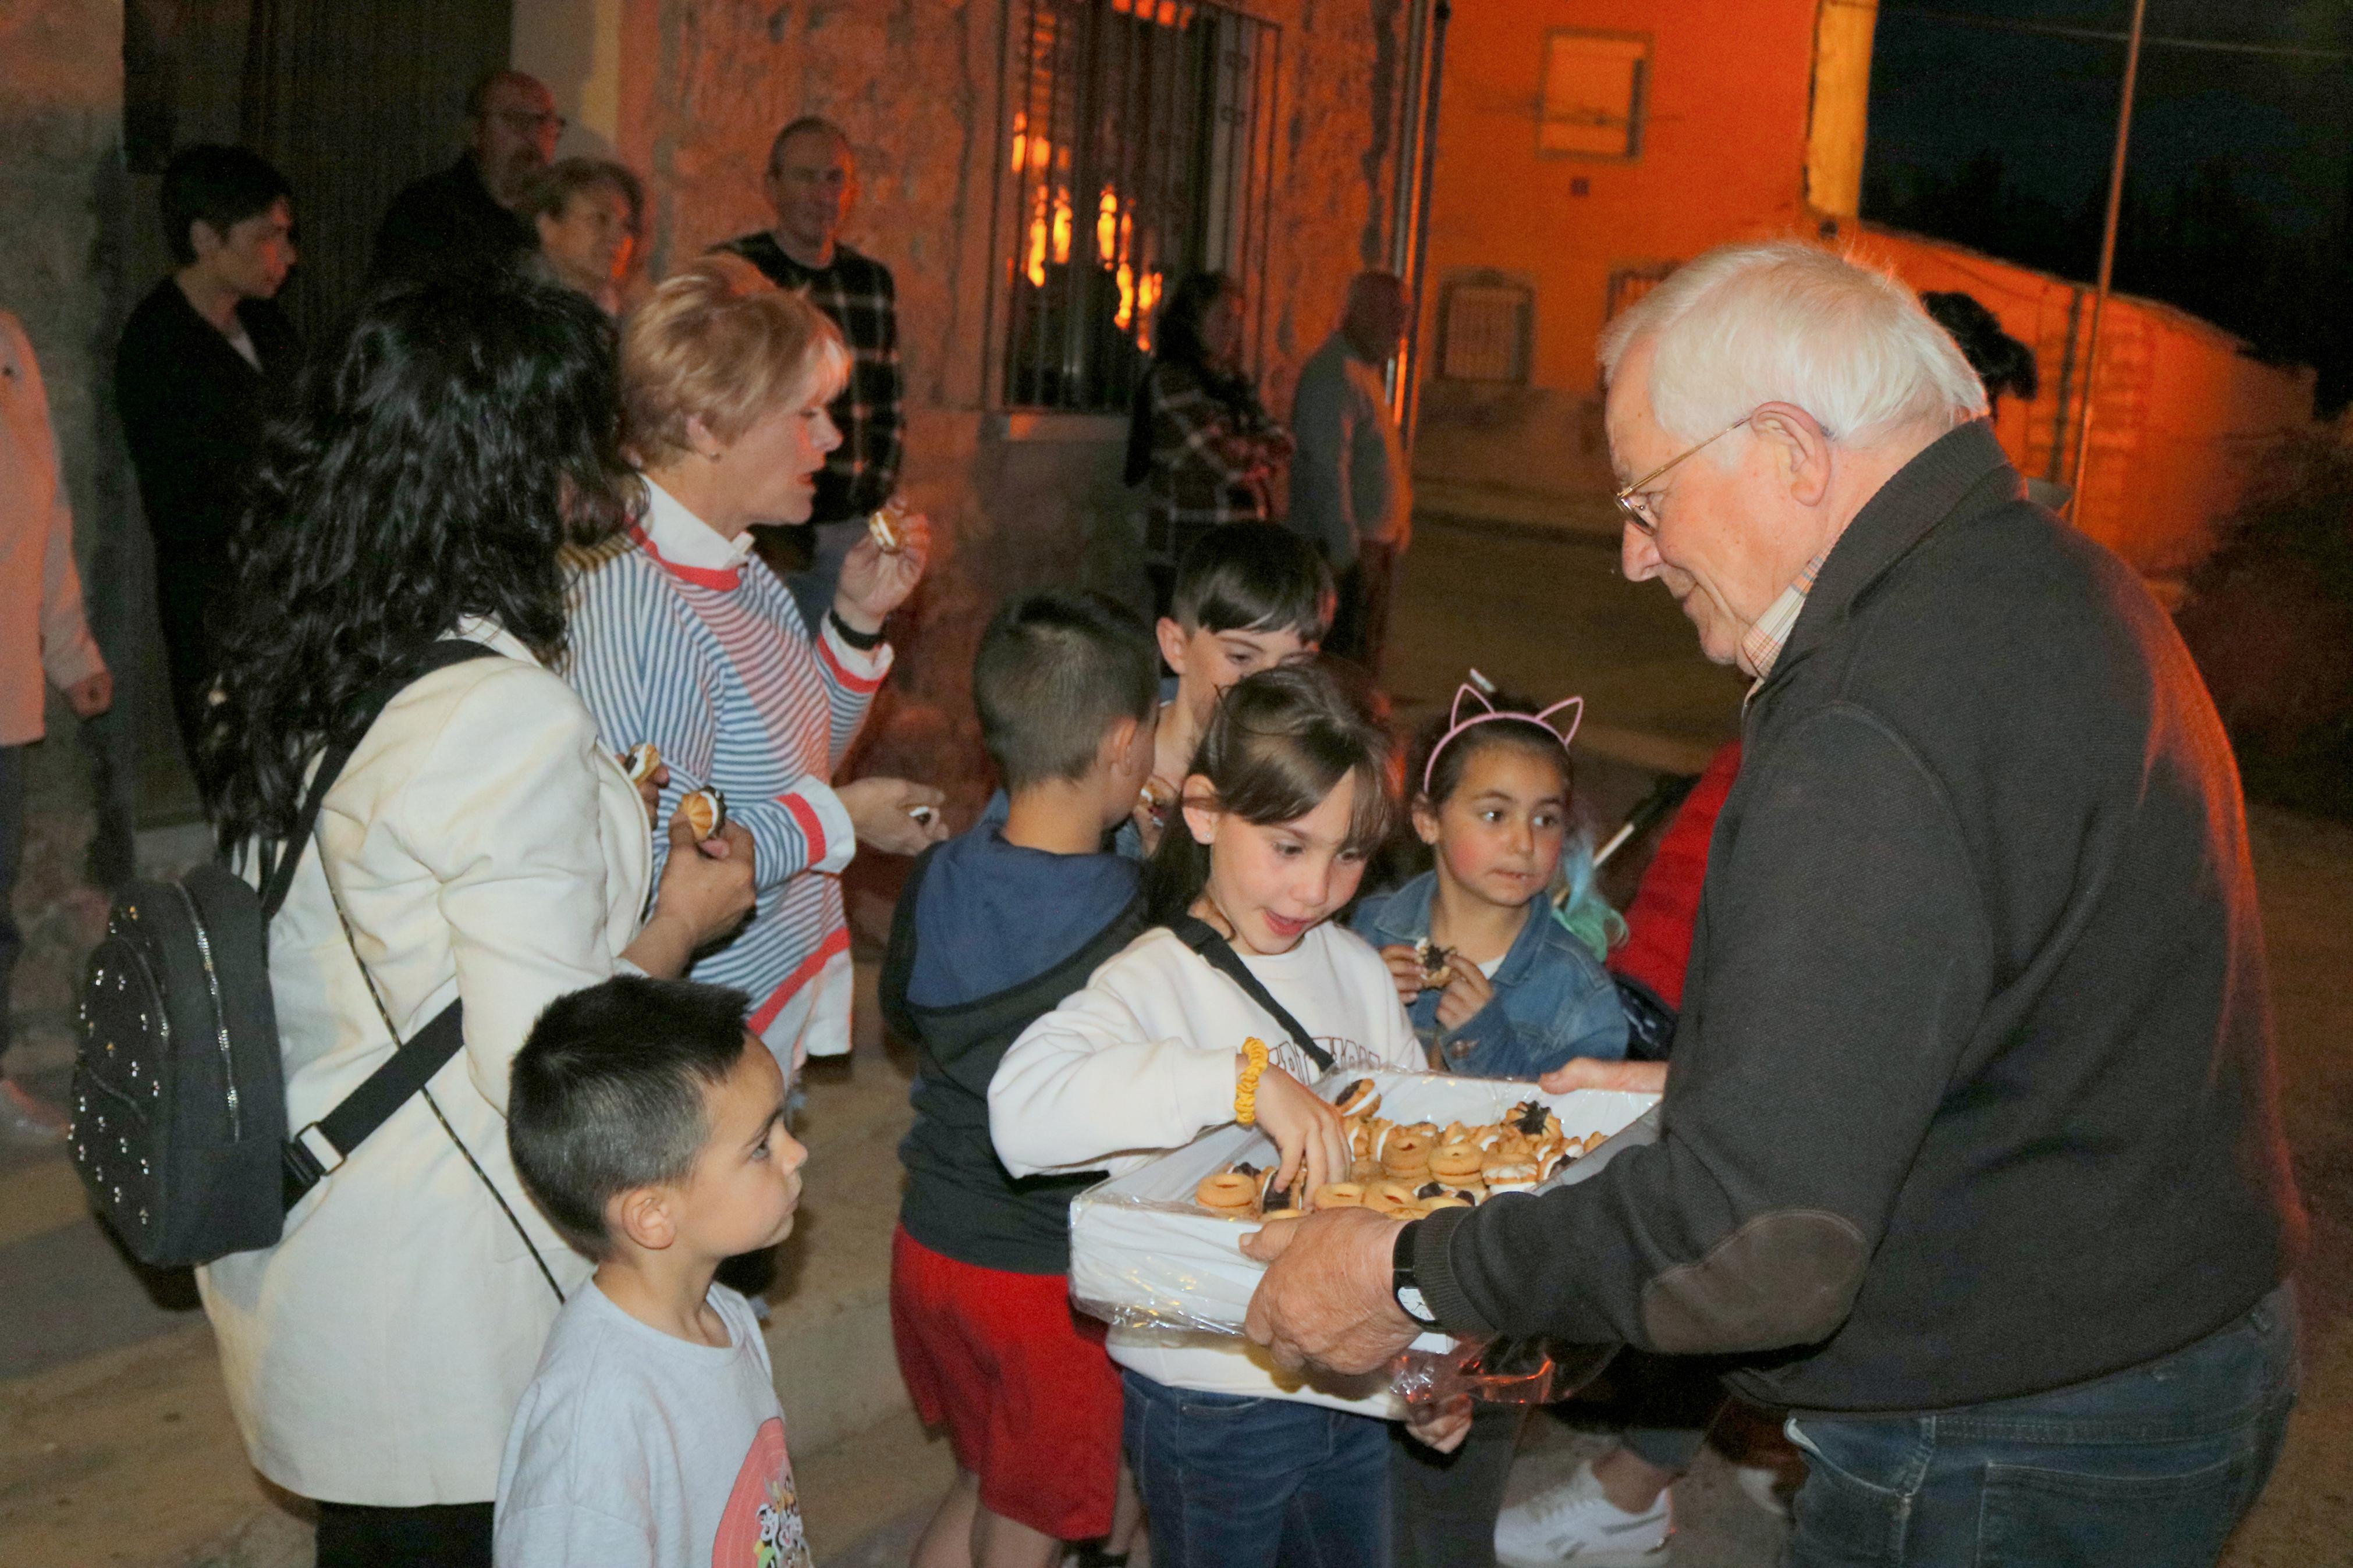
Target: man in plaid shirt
{"type": "Point", "coordinates": [812, 180]}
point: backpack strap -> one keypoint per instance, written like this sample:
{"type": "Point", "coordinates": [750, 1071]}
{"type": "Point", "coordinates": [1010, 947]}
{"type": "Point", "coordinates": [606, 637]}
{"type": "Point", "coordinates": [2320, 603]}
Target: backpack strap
{"type": "Point", "coordinates": [310, 1154]}
{"type": "Point", "coordinates": [1217, 953]}
{"type": "Point", "coordinates": [315, 1151]}
{"type": "Point", "coordinates": [278, 880]}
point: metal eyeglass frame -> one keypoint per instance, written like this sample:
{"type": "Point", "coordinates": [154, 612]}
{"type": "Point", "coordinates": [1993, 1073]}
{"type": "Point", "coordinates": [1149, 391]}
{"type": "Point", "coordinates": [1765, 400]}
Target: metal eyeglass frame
{"type": "Point", "coordinates": [1627, 503]}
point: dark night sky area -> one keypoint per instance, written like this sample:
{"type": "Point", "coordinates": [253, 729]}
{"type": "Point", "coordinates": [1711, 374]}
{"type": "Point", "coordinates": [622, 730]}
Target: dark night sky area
{"type": "Point", "coordinates": [1941, 90]}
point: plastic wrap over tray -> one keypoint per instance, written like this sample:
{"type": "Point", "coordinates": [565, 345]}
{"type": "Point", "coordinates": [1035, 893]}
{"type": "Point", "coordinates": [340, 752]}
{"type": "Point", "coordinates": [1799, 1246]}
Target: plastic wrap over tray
{"type": "Point", "coordinates": [1144, 1254]}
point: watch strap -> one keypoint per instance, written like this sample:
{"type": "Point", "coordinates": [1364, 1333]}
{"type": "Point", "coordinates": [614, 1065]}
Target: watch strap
{"type": "Point", "coordinates": [864, 642]}
{"type": "Point", "coordinates": [1403, 1287]}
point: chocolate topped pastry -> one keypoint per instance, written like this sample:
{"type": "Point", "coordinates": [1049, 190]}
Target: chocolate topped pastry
{"type": "Point", "coordinates": [1357, 1100]}
{"type": "Point", "coordinates": [1529, 1117]}
{"type": "Point", "coordinates": [1431, 1190]}
{"type": "Point", "coordinates": [1437, 964]}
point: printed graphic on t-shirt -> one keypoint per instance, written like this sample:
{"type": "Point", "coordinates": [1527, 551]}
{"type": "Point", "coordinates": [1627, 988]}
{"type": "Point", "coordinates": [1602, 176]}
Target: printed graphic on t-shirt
{"type": "Point", "coordinates": [761, 1527]}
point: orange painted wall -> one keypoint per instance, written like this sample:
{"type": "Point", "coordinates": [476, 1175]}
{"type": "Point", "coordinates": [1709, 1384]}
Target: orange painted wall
{"type": "Point", "coordinates": [1722, 157]}
{"type": "Point", "coordinates": [2180, 414]}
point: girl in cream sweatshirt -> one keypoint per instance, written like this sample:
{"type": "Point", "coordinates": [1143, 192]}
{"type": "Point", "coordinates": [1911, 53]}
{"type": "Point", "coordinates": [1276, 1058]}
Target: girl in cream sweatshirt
{"type": "Point", "coordinates": [1287, 795]}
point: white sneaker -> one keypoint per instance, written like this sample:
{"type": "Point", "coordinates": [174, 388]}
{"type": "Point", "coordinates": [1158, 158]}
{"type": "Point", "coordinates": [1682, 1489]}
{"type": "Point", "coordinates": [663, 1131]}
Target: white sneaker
{"type": "Point", "coordinates": [1574, 1523]}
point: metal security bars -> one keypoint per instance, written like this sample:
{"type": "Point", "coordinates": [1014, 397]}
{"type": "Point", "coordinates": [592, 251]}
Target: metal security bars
{"type": "Point", "coordinates": [1141, 148]}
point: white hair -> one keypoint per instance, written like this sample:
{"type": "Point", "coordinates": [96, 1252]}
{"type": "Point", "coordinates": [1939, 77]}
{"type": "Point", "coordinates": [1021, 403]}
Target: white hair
{"type": "Point", "coordinates": [1785, 321]}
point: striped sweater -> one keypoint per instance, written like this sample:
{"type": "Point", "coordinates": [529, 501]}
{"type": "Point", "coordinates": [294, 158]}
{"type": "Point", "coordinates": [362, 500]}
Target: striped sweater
{"type": "Point", "coordinates": [678, 639]}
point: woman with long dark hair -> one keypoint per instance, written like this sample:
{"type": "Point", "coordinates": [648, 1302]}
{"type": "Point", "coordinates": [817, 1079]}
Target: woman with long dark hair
{"type": "Point", "coordinates": [479, 846]}
{"type": "Point", "coordinates": [1198, 437]}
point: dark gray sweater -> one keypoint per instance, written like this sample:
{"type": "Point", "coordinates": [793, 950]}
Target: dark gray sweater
{"type": "Point", "coordinates": [1973, 1092]}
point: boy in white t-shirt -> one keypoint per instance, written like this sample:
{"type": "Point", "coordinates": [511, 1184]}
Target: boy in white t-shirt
{"type": "Point", "coordinates": [650, 1127]}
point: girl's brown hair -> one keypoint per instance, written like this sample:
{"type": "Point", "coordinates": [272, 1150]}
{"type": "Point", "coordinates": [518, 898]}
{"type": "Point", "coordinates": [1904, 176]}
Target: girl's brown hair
{"type": "Point", "coordinates": [1279, 743]}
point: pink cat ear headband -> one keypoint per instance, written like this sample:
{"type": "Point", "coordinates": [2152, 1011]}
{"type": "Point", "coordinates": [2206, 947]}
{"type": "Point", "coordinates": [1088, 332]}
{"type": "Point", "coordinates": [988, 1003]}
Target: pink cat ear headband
{"type": "Point", "coordinates": [1483, 710]}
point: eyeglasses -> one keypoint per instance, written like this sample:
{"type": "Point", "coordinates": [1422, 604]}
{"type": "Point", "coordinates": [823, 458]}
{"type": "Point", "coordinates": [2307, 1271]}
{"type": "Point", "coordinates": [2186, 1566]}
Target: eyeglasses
{"type": "Point", "coordinates": [1629, 500]}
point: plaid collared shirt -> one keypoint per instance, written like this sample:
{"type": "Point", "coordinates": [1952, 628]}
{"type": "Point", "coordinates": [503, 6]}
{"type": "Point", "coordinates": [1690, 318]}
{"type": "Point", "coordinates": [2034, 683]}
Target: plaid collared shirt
{"type": "Point", "coordinates": [1761, 648]}
{"type": "Point", "coordinates": [856, 291]}
{"type": "Point", "coordinates": [1210, 460]}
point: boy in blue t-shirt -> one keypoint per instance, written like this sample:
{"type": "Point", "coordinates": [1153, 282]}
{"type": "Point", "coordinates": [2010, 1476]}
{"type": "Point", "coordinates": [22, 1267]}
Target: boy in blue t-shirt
{"type": "Point", "coordinates": [994, 929]}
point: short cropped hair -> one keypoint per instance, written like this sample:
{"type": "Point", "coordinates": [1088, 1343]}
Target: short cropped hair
{"type": "Point", "coordinates": [1056, 670]}
{"type": "Point", "coordinates": [1253, 577]}
{"type": "Point", "coordinates": [221, 186]}
{"type": "Point", "coordinates": [605, 1095]}
{"type": "Point", "coordinates": [553, 188]}
{"type": "Point", "coordinates": [807, 124]}
{"type": "Point", "coordinates": [719, 343]}
{"type": "Point", "coordinates": [1791, 322]}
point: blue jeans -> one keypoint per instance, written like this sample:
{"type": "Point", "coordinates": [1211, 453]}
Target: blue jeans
{"type": "Point", "coordinates": [2147, 1467]}
{"type": "Point", "coordinates": [1237, 1482]}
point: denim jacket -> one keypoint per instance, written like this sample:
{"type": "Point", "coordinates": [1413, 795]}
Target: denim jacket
{"type": "Point", "coordinates": [1552, 1000]}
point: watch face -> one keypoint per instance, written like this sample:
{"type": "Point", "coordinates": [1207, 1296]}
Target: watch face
{"type": "Point", "coordinates": [1409, 1298]}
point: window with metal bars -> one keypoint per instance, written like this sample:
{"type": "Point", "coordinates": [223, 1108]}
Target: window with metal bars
{"type": "Point", "coordinates": [1142, 149]}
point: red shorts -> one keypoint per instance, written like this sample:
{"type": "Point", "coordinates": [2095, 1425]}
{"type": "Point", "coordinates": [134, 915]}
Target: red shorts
{"type": "Point", "coordinates": [1021, 1382]}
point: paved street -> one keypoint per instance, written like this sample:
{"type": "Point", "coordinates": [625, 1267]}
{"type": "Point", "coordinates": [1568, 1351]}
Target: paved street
{"type": "Point", "coordinates": [115, 1443]}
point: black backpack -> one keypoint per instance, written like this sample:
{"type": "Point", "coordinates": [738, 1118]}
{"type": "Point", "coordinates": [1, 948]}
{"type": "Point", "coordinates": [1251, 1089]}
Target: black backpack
{"type": "Point", "coordinates": [179, 1091]}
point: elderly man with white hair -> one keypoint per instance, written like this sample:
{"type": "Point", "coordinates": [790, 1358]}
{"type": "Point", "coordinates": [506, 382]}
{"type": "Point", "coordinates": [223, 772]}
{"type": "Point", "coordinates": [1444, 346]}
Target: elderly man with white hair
{"type": "Point", "coordinates": [1971, 1155]}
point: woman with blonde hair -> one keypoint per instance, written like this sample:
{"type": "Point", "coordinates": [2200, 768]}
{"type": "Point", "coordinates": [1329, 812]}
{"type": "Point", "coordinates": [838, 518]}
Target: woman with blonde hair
{"type": "Point", "coordinates": [683, 639]}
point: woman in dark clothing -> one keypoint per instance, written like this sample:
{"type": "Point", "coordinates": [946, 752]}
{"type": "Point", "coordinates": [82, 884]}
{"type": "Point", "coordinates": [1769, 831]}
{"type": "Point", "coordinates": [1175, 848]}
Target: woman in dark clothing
{"type": "Point", "coordinates": [1199, 436]}
{"type": "Point", "coordinates": [199, 360]}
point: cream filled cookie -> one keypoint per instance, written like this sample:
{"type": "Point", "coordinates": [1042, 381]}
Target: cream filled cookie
{"type": "Point", "coordinates": [705, 811]}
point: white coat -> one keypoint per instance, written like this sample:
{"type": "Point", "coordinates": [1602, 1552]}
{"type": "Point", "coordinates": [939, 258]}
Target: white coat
{"type": "Point", "coordinates": [485, 848]}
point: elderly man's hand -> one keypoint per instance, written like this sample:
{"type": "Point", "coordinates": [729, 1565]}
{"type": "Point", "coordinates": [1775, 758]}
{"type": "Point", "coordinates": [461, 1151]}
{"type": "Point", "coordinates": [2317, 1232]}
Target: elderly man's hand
{"type": "Point", "coordinates": [1327, 1295]}
{"type": "Point", "coordinates": [1591, 1072]}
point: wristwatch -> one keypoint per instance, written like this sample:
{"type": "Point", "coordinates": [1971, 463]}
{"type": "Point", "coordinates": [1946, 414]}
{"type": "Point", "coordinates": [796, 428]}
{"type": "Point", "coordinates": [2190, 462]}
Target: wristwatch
{"type": "Point", "coordinates": [1410, 1299]}
{"type": "Point", "coordinates": [864, 642]}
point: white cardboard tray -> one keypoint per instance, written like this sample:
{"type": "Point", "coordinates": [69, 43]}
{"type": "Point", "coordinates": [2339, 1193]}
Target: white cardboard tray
{"type": "Point", "coordinates": [1144, 1254]}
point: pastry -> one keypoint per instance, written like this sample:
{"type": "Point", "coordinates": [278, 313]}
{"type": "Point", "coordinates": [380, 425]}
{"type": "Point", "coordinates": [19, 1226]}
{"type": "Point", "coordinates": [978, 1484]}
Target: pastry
{"type": "Point", "coordinates": [706, 811]}
{"type": "Point", "coordinates": [882, 527]}
{"type": "Point", "coordinates": [1156, 797]}
{"type": "Point", "coordinates": [1228, 1191]}
{"type": "Point", "coordinates": [1388, 1197]}
{"type": "Point", "coordinates": [1460, 1162]}
{"type": "Point", "coordinates": [1359, 1098]}
{"type": "Point", "coordinates": [1407, 1152]}
{"type": "Point", "coordinates": [640, 761]}
{"type": "Point", "coordinates": [1437, 964]}
{"type": "Point", "coordinates": [1340, 1196]}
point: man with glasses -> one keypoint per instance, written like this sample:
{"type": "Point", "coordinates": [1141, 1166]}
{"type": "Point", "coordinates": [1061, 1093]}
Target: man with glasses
{"type": "Point", "coordinates": [1970, 1152]}
{"type": "Point", "coordinates": [470, 213]}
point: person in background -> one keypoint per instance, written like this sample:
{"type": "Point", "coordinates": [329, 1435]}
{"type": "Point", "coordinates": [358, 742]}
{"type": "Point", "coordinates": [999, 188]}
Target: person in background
{"type": "Point", "coordinates": [1351, 490]}
{"type": "Point", "coordinates": [589, 213]}
{"type": "Point", "coordinates": [42, 635]}
{"type": "Point", "coordinates": [199, 363]}
{"type": "Point", "coordinates": [469, 213]}
{"type": "Point", "coordinates": [812, 184]}
{"type": "Point", "coordinates": [1199, 440]}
